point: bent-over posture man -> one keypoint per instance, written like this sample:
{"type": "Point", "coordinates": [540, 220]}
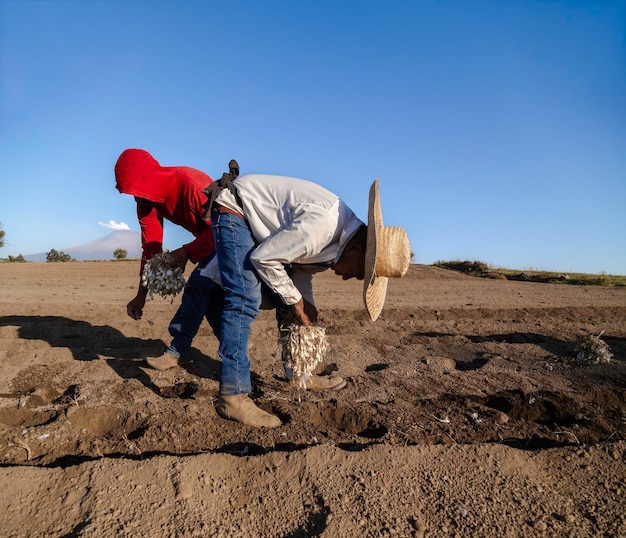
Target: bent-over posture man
{"type": "Point", "coordinates": [274, 230]}
{"type": "Point", "coordinates": [173, 193]}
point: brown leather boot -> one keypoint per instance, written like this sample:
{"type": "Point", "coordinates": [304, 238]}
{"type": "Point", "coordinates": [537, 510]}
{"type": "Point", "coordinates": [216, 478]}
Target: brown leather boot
{"type": "Point", "coordinates": [320, 382]}
{"type": "Point", "coordinates": [242, 409]}
{"type": "Point", "coordinates": [163, 362]}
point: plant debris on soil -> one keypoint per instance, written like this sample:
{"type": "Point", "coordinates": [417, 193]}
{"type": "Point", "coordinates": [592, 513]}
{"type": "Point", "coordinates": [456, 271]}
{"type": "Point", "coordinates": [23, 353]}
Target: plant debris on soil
{"type": "Point", "coordinates": [474, 407]}
{"type": "Point", "coordinates": [593, 350]}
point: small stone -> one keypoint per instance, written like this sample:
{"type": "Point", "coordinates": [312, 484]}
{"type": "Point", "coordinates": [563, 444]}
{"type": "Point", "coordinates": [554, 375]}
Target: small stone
{"type": "Point", "coordinates": [501, 418]}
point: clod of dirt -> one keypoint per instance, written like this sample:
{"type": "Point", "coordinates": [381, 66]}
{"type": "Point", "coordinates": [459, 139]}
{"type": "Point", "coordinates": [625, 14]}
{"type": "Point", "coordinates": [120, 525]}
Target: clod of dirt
{"type": "Point", "coordinates": [440, 364]}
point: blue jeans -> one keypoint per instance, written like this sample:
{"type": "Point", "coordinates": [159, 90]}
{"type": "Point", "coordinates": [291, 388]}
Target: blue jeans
{"type": "Point", "coordinates": [201, 298]}
{"type": "Point", "coordinates": [242, 300]}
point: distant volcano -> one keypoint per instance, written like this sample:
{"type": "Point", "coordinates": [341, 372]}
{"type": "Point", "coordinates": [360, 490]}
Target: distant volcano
{"type": "Point", "coordinates": [100, 249]}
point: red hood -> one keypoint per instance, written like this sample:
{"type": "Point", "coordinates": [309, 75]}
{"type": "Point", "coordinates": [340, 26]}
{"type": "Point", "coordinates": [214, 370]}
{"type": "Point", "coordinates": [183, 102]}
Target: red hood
{"type": "Point", "coordinates": [139, 174]}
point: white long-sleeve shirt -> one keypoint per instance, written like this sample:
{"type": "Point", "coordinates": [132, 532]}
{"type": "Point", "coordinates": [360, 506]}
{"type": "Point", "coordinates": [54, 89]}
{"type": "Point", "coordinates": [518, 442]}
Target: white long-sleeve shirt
{"type": "Point", "coordinates": [296, 222]}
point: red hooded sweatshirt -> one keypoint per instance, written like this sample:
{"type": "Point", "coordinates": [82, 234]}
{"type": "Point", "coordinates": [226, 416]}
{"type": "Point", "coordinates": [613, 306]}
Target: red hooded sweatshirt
{"type": "Point", "coordinates": [176, 195]}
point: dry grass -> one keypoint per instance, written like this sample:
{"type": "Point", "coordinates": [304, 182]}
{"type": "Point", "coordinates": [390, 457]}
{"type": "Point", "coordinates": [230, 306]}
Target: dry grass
{"type": "Point", "coordinates": [483, 270]}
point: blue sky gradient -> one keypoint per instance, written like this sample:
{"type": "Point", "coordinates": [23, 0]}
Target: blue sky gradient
{"type": "Point", "coordinates": [497, 128]}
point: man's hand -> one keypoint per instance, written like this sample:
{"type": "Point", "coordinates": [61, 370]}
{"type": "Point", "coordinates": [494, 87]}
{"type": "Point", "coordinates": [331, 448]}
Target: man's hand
{"type": "Point", "coordinates": [181, 256]}
{"type": "Point", "coordinates": [135, 308]}
{"type": "Point", "coordinates": [305, 312]}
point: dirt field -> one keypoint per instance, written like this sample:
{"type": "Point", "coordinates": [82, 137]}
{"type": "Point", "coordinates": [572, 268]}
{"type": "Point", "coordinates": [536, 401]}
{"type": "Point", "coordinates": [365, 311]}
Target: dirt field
{"type": "Point", "coordinates": [463, 415]}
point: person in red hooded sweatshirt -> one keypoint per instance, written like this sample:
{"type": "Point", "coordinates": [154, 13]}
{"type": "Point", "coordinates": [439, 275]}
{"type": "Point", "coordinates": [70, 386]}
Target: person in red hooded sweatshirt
{"type": "Point", "coordinates": [173, 193]}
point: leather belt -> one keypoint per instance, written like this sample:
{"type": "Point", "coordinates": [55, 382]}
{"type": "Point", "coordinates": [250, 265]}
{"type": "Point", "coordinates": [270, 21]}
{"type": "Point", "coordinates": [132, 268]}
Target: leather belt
{"type": "Point", "coordinates": [220, 209]}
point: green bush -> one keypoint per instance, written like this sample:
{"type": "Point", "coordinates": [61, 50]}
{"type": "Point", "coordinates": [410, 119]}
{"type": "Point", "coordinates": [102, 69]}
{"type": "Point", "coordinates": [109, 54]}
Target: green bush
{"type": "Point", "coordinates": [474, 268]}
{"type": "Point", "coordinates": [54, 256]}
{"type": "Point", "coordinates": [120, 254]}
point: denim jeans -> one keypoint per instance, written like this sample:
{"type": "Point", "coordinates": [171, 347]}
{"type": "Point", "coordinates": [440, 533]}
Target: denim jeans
{"type": "Point", "coordinates": [201, 298]}
{"type": "Point", "coordinates": [242, 300]}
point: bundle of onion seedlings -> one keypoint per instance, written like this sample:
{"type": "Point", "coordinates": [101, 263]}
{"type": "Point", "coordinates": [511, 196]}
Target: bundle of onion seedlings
{"type": "Point", "coordinates": [593, 350]}
{"type": "Point", "coordinates": [304, 347]}
{"type": "Point", "coordinates": [162, 275]}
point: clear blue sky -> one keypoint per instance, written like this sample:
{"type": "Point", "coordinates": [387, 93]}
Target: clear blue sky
{"type": "Point", "coordinates": [497, 128]}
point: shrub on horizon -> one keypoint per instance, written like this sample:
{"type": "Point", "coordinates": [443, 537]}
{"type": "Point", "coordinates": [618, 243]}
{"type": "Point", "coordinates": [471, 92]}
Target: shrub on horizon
{"type": "Point", "coordinates": [120, 254]}
{"type": "Point", "coordinates": [60, 256]}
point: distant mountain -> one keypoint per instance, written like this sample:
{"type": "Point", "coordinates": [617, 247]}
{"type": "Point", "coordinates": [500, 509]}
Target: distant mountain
{"type": "Point", "coordinates": [100, 249]}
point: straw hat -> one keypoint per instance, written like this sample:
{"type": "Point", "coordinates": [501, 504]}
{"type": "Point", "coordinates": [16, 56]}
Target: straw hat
{"type": "Point", "coordinates": [387, 254]}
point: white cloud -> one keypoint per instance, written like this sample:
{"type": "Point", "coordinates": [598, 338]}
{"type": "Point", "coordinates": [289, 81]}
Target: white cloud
{"type": "Point", "coordinates": [112, 225]}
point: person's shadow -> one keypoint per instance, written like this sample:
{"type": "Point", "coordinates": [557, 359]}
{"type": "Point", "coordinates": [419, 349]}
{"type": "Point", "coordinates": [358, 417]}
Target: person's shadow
{"type": "Point", "coordinates": [87, 342]}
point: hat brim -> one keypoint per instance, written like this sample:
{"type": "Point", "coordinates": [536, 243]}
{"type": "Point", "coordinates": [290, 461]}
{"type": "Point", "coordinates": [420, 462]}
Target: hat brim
{"type": "Point", "coordinates": [374, 286]}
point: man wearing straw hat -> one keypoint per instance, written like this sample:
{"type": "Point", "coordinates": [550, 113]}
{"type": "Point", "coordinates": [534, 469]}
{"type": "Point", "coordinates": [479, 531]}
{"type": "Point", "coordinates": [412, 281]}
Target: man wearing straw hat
{"type": "Point", "coordinates": [276, 231]}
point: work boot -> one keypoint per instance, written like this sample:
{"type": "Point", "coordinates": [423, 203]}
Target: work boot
{"type": "Point", "coordinates": [242, 409]}
{"type": "Point", "coordinates": [320, 382]}
{"type": "Point", "coordinates": [163, 362]}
